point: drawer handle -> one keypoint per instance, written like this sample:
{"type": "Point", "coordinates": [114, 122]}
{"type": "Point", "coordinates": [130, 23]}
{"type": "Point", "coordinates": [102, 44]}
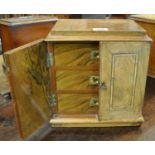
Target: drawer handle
{"type": "Point", "coordinates": [94, 101]}
{"type": "Point", "coordinates": [94, 55]}
{"type": "Point", "coordinates": [94, 80]}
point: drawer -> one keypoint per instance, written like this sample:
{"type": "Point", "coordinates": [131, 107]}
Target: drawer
{"type": "Point", "coordinates": [76, 54]}
{"type": "Point", "coordinates": [75, 80]}
{"type": "Point", "coordinates": [77, 104]}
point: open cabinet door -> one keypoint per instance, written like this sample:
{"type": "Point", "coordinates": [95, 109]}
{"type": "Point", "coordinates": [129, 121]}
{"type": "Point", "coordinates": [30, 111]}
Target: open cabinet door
{"type": "Point", "coordinates": [29, 77]}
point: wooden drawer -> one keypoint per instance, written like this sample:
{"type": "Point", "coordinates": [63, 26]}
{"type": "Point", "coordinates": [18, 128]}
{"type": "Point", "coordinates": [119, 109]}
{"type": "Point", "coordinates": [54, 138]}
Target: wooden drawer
{"type": "Point", "coordinates": [75, 54]}
{"type": "Point", "coordinates": [76, 104]}
{"type": "Point", "coordinates": [75, 80]}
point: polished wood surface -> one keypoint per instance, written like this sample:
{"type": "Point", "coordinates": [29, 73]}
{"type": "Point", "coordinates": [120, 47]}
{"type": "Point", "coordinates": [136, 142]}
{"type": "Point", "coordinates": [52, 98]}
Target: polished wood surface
{"type": "Point", "coordinates": [75, 80]}
{"type": "Point", "coordinates": [148, 23]}
{"type": "Point", "coordinates": [96, 30]}
{"type": "Point", "coordinates": [73, 67]}
{"type": "Point", "coordinates": [83, 25]}
{"type": "Point", "coordinates": [74, 54]}
{"type": "Point", "coordinates": [29, 91]}
{"type": "Point", "coordinates": [20, 31]}
{"type": "Point", "coordinates": [76, 104]}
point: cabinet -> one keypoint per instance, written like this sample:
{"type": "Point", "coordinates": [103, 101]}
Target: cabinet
{"type": "Point", "coordinates": [147, 21]}
{"type": "Point", "coordinates": [85, 73]}
{"type": "Point", "coordinates": [22, 30]}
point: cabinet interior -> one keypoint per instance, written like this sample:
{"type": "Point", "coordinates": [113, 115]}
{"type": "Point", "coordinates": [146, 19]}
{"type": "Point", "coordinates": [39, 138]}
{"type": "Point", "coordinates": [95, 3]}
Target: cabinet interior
{"type": "Point", "coordinates": [75, 79]}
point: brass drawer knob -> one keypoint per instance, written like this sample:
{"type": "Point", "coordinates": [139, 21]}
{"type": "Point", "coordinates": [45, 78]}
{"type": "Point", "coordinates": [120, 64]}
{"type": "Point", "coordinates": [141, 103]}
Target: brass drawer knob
{"type": "Point", "coordinates": [94, 80]}
{"type": "Point", "coordinates": [94, 55]}
{"type": "Point", "coordinates": [94, 101]}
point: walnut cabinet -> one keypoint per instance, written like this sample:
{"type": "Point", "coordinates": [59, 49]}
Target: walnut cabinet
{"type": "Point", "coordinates": [86, 73]}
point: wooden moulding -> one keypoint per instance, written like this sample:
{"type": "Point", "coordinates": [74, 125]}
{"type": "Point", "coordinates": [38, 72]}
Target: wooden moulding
{"type": "Point", "coordinates": [83, 30]}
{"type": "Point", "coordinates": [94, 122]}
{"type": "Point", "coordinates": [26, 20]}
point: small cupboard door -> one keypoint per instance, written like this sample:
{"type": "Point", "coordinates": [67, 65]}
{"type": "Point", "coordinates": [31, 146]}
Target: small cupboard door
{"type": "Point", "coordinates": [123, 69]}
{"type": "Point", "coordinates": [28, 74]}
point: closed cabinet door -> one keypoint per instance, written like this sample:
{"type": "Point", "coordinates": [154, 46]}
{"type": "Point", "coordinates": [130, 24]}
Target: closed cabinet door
{"type": "Point", "coordinates": [123, 69]}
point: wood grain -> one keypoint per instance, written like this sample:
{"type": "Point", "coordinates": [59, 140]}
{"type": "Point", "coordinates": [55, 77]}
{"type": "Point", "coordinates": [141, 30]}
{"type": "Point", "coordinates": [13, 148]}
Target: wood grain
{"type": "Point", "coordinates": [29, 78]}
{"type": "Point", "coordinates": [75, 54]}
{"type": "Point", "coordinates": [72, 104]}
{"type": "Point", "coordinates": [75, 80]}
{"type": "Point", "coordinates": [82, 30]}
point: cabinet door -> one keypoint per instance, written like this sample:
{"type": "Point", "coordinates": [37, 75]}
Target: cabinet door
{"type": "Point", "coordinates": [123, 69]}
{"type": "Point", "coordinates": [28, 74]}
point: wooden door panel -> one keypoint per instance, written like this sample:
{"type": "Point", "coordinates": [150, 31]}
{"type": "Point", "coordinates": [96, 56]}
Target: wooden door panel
{"type": "Point", "coordinates": [123, 69]}
{"type": "Point", "coordinates": [29, 80]}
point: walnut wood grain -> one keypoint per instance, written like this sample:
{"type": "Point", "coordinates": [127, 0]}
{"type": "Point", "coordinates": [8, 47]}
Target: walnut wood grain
{"type": "Point", "coordinates": [72, 104]}
{"type": "Point", "coordinates": [75, 54]}
{"type": "Point", "coordinates": [29, 79]}
{"type": "Point", "coordinates": [75, 80]}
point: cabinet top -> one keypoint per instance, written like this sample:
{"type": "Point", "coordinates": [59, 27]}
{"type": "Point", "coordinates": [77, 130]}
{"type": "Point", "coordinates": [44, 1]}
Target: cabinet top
{"type": "Point", "coordinates": [96, 29]}
{"type": "Point", "coordinates": [149, 18]}
{"type": "Point", "coordinates": [26, 20]}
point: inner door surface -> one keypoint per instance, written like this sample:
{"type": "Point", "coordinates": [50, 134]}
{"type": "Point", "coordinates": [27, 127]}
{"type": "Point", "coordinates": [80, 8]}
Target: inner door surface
{"type": "Point", "coordinates": [30, 86]}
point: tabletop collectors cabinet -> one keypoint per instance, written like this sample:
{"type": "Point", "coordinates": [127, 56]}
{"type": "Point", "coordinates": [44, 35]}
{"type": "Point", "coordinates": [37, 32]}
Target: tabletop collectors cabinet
{"type": "Point", "coordinates": [86, 73]}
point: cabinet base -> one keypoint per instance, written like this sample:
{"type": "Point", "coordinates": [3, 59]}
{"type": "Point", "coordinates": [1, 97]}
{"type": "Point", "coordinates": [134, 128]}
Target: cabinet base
{"type": "Point", "coordinates": [93, 122]}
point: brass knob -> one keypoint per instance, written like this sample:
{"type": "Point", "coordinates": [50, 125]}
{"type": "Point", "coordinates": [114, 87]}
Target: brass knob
{"type": "Point", "coordinates": [94, 55]}
{"type": "Point", "coordinates": [94, 80]}
{"type": "Point", "coordinates": [94, 101]}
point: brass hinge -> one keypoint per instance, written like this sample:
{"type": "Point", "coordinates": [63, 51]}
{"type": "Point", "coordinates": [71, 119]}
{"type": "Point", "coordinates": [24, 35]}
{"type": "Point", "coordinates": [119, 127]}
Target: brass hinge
{"type": "Point", "coordinates": [49, 59]}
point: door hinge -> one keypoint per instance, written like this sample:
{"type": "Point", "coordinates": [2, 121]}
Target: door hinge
{"type": "Point", "coordinates": [53, 100]}
{"type": "Point", "coordinates": [49, 59]}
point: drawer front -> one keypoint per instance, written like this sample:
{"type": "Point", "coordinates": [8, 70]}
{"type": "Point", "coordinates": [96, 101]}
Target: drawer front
{"type": "Point", "coordinates": [75, 54]}
{"type": "Point", "coordinates": [75, 80]}
{"type": "Point", "coordinates": [76, 104]}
